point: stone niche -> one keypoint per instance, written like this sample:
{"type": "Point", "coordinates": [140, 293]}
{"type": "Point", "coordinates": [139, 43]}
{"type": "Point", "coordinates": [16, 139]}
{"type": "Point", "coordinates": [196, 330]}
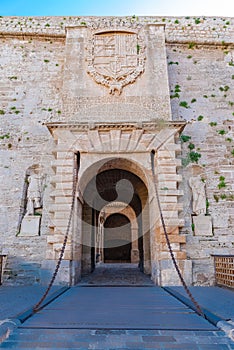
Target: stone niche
{"type": "Point", "coordinates": [32, 202]}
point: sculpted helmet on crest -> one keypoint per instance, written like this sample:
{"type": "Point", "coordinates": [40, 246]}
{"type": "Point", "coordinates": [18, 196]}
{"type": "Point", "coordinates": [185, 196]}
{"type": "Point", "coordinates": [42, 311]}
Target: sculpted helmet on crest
{"type": "Point", "coordinates": [115, 55]}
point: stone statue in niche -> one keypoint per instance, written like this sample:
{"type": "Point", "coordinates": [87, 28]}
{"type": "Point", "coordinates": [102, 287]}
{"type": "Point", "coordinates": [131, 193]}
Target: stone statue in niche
{"type": "Point", "coordinates": [199, 196]}
{"type": "Point", "coordinates": [34, 193]}
{"type": "Point", "coordinates": [30, 217]}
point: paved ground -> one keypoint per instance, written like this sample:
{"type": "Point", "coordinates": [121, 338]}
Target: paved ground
{"type": "Point", "coordinates": [117, 275]}
{"type": "Point", "coordinates": [95, 315]}
{"type": "Point", "coordinates": [218, 300]}
{"type": "Point", "coordinates": [52, 339]}
{"type": "Point", "coordinates": [17, 299]}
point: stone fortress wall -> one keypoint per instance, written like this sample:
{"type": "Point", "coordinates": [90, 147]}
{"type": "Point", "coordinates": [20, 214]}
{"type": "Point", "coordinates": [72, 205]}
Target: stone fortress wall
{"type": "Point", "coordinates": [200, 58]}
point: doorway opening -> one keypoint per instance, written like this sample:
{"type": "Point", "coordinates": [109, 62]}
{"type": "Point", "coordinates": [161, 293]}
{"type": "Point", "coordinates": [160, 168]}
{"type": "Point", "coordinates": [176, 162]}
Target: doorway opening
{"type": "Point", "coordinates": [115, 217]}
{"type": "Point", "coordinates": [117, 239]}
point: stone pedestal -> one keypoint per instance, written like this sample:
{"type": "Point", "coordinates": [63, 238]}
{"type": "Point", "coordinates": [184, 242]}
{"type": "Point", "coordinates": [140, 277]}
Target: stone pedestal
{"type": "Point", "coordinates": [202, 225]}
{"type": "Point", "coordinates": [30, 226]}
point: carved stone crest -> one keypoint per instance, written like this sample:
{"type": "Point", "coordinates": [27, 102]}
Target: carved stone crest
{"type": "Point", "coordinates": [115, 59]}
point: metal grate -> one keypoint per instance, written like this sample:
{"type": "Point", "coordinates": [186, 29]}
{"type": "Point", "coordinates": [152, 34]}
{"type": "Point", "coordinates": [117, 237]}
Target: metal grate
{"type": "Point", "coordinates": [224, 270]}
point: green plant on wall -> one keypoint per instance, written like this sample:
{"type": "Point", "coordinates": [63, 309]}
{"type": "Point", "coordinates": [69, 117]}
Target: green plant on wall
{"type": "Point", "coordinates": [191, 45]}
{"type": "Point", "coordinates": [185, 138]}
{"type": "Point", "coordinates": [212, 123]}
{"type": "Point", "coordinates": [221, 132]}
{"type": "Point", "coordinates": [184, 104]}
{"type": "Point", "coordinates": [224, 88]}
{"type": "Point", "coordinates": [191, 146]}
{"type": "Point", "coordinates": [171, 62]}
{"type": "Point", "coordinates": [193, 156]}
{"type": "Point", "coordinates": [197, 20]}
{"type": "Point", "coordinates": [222, 183]}
{"type": "Point", "coordinates": [175, 92]}
{"type": "Point", "coordinates": [223, 196]}
{"type": "Point", "coordinates": [6, 136]}
{"type": "Point", "coordinates": [207, 205]}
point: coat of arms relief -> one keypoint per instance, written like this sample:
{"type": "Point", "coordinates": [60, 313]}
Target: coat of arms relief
{"type": "Point", "coordinates": [116, 59]}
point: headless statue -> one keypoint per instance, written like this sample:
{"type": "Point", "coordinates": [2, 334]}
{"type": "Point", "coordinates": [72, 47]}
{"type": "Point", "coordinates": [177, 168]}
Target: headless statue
{"type": "Point", "coordinates": [199, 196]}
{"type": "Point", "coordinates": [33, 194]}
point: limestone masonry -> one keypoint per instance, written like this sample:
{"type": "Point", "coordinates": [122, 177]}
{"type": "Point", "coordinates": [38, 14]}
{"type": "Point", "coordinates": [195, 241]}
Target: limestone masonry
{"type": "Point", "coordinates": [100, 93]}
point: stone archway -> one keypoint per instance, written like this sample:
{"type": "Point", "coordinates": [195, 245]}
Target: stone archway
{"type": "Point", "coordinates": [117, 148]}
{"type": "Point", "coordinates": [113, 184]}
{"type": "Point", "coordinates": [117, 239]}
{"type": "Point", "coordinates": [122, 209]}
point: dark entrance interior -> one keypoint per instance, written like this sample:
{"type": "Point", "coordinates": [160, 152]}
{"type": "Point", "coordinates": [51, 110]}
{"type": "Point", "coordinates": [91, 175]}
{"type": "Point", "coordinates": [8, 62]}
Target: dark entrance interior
{"type": "Point", "coordinates": [117, 239]}
{"type": "Point", "coordinates": [113, 182]}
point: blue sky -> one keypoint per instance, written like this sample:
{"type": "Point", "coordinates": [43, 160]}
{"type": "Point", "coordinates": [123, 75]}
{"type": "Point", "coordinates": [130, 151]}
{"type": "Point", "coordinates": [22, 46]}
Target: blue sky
{"type": "Point", "coordinates": [116, 8]}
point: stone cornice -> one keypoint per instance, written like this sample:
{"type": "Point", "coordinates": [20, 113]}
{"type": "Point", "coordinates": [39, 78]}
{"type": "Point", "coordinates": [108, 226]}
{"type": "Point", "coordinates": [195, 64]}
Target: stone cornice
{"type": "Point", "coordinates": [148, 126]}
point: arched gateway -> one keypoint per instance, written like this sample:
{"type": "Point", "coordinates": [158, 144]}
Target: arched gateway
{"type": "Point", "coordinates": [116, 216]}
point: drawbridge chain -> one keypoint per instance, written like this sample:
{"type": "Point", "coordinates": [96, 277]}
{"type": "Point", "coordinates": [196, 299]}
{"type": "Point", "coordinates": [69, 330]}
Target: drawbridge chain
{"type": "Point", "coordinates": [198, 308]}
{"type": "Point", "coordinates": [74, 186]}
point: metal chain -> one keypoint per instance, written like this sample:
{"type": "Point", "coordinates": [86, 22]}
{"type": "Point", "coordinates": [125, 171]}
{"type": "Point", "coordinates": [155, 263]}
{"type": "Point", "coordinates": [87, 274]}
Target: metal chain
{"type": "Point", "coordinates": [74, 185]}
{"type": "Point", "coordinates": [198, 308]}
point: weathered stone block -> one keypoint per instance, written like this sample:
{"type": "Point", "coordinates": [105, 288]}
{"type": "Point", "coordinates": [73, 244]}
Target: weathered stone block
{"type": "Point", "coordinates": [30, 226]}
{"type": "Point", "coordinates": [202, 225]}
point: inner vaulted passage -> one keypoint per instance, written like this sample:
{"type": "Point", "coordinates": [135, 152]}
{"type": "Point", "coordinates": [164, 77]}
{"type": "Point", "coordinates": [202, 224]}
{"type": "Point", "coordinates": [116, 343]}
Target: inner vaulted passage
{"type": "Point", "coordinates": [117, 239]}
{"type": "Point", "coordinates": [115, 219]}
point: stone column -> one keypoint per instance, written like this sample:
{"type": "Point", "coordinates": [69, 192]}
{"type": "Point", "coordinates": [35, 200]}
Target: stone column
{"type": "Point", "coordinates": [134, 250]}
